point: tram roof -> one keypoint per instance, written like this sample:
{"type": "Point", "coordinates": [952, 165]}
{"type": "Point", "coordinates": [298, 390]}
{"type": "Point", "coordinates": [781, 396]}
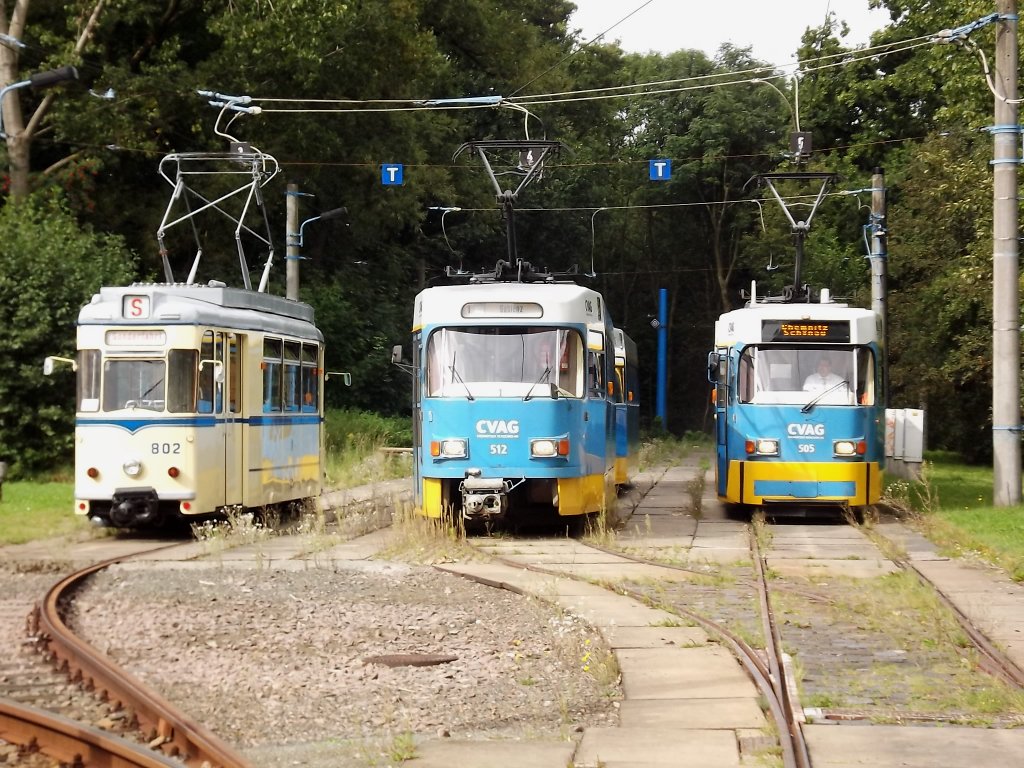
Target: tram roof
{"type": "Point", "coordinates": [746, 325]}
{"type": "Point", "coordinates": [509, 302]}
{"type": "Point", "coordinates": [191, 304]}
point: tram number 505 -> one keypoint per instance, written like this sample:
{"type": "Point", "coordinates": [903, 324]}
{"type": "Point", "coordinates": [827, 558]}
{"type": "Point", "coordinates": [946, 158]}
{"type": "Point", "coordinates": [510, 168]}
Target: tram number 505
{"type": "Point", "coordinates": [805, 448]}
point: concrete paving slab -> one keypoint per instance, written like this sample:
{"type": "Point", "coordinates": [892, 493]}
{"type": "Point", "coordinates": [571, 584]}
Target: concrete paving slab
{"type": "Point", "coordinates": [445, 753]}
{"type": "Point", "coordinates": [543, 585]}
{"type": "Point", "coordinates": [359, 548]}
{"type": "Point", "coordinates": [655, 637]}
{"type": "Point", "coordinates": [656, 747]}
{"type": "Point", "coordinates": [707, 672]}
{"type": "Point", "coordinates": [718, 556]}
{"type": "Point", "coordinates": [811, 551]}
{"type": "Point", "coordinates": [818, 568]}
{"type": "Point", "coordinates": [559, 559]}
{"type": "Point", "coordinates": [625, 570]}
{"type": "Point", "coordinates": [713, 714]}
{"type": "Point", "coordinates": [891, 746]}
{"type": "Point", "coordinates": [610, 610]}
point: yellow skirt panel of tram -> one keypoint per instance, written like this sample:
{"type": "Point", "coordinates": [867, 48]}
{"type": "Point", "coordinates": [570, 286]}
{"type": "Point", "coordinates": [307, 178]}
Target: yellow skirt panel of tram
{"type": "Point", "coordinates": [621, 470]}
{"type": "Point", "coordinates": [581, 495]}
{"type": "Point", "coordinates": [757, 482]}
{"type": "Point", "coordinates": [431, 497]}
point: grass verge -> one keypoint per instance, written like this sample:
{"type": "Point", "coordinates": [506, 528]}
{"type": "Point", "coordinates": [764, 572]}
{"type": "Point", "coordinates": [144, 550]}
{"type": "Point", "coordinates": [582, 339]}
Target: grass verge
{"type": "Point", "coordinates": [953, 506]}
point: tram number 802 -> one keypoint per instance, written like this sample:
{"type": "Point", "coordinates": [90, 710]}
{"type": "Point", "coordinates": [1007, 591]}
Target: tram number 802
{"type": "Point", "coordinates": [805, 448]}
{"type": "Point", "coordinates": [165, 448]}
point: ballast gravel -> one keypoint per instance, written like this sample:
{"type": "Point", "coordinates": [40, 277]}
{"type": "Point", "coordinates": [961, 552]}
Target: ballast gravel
{"type": "Point", "coordinates": [272, 658]}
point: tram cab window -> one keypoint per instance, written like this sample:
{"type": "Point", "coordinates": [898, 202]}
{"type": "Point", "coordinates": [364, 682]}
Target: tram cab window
{"type": "Point", "coordinates": [181, 384]}
{"type": "Point", "coordinates": [795, 375]}
{"type": "Point", "coordinates": [133, 383]}
{"type": "Point", "coordinates": [504, 361]}
{"type": "Point", "coordinates": [87, 393]}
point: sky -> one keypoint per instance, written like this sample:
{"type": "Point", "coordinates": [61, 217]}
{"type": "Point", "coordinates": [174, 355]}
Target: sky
{"type": "Point", "coordinates": [771, 27]}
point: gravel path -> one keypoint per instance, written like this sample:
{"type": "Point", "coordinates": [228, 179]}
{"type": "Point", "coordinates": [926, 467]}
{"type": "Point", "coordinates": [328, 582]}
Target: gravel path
{"type": "Point", "coordinates": [279, 657]}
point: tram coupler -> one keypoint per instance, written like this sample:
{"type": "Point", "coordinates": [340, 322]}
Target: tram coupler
{"type": "Point", "coordinates": [134, 507]}
{"type": "Point", "coordinates": [484, 497]}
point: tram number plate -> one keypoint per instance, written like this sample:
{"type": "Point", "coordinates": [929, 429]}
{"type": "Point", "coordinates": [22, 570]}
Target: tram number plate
{"type": "Point", "coordinates": [499, 449]}
{"type": "Point", "coordinates": [165, 448]}
{"type": "Point", "coordinates": [805, 448]}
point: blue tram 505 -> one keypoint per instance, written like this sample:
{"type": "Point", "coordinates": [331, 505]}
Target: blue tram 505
{"type": "Point", "coordinates": [513, 401]}
{"type": "Point", "coordinates": [798, 405]}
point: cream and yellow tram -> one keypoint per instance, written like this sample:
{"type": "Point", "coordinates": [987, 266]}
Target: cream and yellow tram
{"type": "Point", "coordinates": [193, 399]}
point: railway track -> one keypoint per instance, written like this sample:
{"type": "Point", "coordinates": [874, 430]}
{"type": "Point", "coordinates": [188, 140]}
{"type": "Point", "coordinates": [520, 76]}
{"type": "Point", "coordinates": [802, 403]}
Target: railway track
{"type": "Point", "coordinates": [769, 667]}
{"type": "Point", "coordinates": [162, 726]}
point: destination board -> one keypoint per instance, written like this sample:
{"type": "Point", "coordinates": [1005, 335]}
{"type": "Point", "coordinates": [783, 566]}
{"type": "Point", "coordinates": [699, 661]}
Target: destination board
{"type": "Point", "coordinates": [834, 331]}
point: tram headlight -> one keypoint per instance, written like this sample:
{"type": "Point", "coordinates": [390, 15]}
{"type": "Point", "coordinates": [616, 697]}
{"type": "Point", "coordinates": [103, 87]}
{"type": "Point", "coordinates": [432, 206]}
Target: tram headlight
{"type": "Point", "coordinates": [451, 448]}
{"type": "Point", "coordinates": [763, 447]}
{"type": "Point", "coordinates": [547, 447]}
{"type": "Point", "coordinates": [132, 467]}
{"type": "Point", "coordinates": [849, 447]}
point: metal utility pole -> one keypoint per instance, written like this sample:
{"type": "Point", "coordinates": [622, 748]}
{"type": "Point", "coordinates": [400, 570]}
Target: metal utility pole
{"type": "Point", "coordinates": [880, 273]}
{"type": "Point", "coordinates": [1006, 431]}
{"type": "Point", "coordinates": [291, 254]}
{"type": "Point", "coordinates": [1006, 295]}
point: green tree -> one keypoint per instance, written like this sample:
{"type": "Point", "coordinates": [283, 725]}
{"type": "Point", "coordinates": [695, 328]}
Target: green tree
{"type": "Point", "coordinates": [49, 267]}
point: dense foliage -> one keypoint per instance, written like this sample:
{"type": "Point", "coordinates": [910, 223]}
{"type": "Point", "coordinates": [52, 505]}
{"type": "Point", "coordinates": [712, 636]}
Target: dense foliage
{"type": "Point", "coordinates": [703, 235]}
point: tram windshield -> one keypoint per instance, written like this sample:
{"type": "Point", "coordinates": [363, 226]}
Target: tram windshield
{"type": "Point", "coordinates": [504, 361]}
{"type": "Point", "coordinates": [800, 375]}
{"type": "Point", "coordinates": [152, 384]}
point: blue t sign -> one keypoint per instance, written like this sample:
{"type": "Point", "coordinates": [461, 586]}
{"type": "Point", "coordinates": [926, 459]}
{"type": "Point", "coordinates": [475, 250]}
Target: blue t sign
{"type": "Point", "coordinates": [391, 174]}
{"type": "Point", "coordinates": [660, 170]}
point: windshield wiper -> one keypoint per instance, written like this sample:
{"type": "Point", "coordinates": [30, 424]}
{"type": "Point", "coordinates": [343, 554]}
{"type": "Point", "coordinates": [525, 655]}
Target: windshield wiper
{"type": "Point", "coordinates": [545, 375]}
{"type": "Point", "coordinates": [820, 395]}
{"type": "Point", "coordinates": [455, 375]}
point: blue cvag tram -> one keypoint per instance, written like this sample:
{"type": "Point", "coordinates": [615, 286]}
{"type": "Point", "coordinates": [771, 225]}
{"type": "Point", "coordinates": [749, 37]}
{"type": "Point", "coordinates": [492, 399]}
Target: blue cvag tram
{"type": "Point", "coordinates": [514, 401]}
{"type": "Point", "coordinates": [798, 405]}
{"type": "Point", "coordinates": [627, 408]}
{"type": "Point", "coordinates": [193, 399]}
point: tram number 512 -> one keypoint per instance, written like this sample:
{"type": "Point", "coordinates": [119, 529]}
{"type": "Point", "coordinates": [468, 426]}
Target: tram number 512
{"type": "Point", "coordinates": [805, 448]}
{"type": "Point", "coordinates": [499, 449]}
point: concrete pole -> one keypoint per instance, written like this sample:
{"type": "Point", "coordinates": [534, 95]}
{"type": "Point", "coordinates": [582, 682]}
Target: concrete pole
{"type": "Point", "coordinates": [880, 274]}
{"type": "Point", "coordinates": [292, 242]}
{"type": "Point", "coordinates": [1005, 269]}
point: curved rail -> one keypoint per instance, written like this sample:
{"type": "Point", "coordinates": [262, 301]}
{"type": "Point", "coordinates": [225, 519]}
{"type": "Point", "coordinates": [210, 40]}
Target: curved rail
{"type": "Point", "coordinates": [72, 743]}
{"type": "Point", "coordinates": [794, 751]}
{"type": "Point", "coordinates": [166, 726]}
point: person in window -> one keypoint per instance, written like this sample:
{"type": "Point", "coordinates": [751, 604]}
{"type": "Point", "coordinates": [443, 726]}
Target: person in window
{"type": "Point", "coordinates": [823, 378]}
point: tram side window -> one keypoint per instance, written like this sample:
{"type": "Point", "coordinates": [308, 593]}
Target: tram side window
{"type": "Point", "coordinates": [234, 373]}
{"type": "Point", "coordinates": [292, 396]}
{"type": "Point", "coordinates": [88, 381]}
{"type": "Point", "coordinates": [310, 395]}
{"type": "Point", "coordinates": [745, 376]}
{"type": "Point", "coordinates": [181, 383]}
{"type": "Point", "coordinates": [272, 375]}
{"type": "Point", "coordinates": [595, 371]}
{"type": "Point", "coordinates": [207, 381]}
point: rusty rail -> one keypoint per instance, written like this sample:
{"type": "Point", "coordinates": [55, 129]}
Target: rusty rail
{"type": "Point", "coordinates": [162, 723]}
{"type": "Point", "coordinates": [72, 743]}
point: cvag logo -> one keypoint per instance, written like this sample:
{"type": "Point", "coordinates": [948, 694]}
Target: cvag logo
{"type": "Point", "coordinates": [498, 427]}
{"type": "Point", "coordinates": [805, 430]}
